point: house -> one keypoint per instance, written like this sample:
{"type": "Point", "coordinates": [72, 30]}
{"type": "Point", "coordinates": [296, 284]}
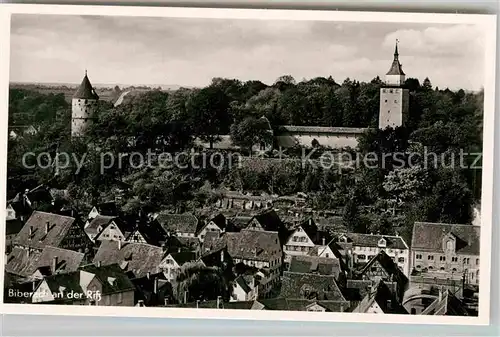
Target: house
{"type": "Point", "coordinates": [115, 229]}
{"type": "Point", "coordinates": [363, 247]}
{"type": "Point", "coordinates": [446, 251]}
{"type": "Point", "coordinates": [55, 260]}
{"type": "Point", "coordinates": [152, 290]}
{"type": "Point", "coordinates": [303, 239]}
{"type": "Point", "coordinates": [107, 208]}
{"type": "Point", "coordinates": [136, 258]}
{"type": "Point", "coordinates": [380, 300]}
{"type": "Point", "coordinates": [21, 262]}
{"type": "Point", "coordinates": [181, 225]}
{"type": "Point", "coordinates": [382, 267]}
{"type": "Point", "coordinates": [307, 286]}
{"type": "Point", "coordinates": [91, 285]}
{"type": "Point", "coordinates": [173, 262]}
{"type": "Point", "coordinates": [315, 265]}
{"type": "Point", "coordinates": [48, 229]}
{"type": "Point", "coordinates": [217, 224]}
{"type": "Point", "coordinates": [93, 227]}
{"type": "Point", "coordinates": [269, 221]}
{"type": "Point", "coordinates": [151, 233]}
{"type": "Point", "coordinates": [245, 288]}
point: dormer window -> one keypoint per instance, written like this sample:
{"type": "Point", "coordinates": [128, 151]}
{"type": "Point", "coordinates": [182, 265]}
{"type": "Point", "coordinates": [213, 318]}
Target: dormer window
{"type": "Point", "coordinates": [382, 242]}
{"type": "Point", "coordinates": [449, 245]}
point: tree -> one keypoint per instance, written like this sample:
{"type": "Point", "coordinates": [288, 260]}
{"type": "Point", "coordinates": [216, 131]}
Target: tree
{"type": "Point", "coordinates": [251, 131]}
{"type": "Point", "coordinates": [195, 281]}
{"type": "Point", "coordinates": [208, 111]}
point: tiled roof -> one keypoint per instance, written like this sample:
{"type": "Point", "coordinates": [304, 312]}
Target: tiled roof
{"type": "Point", "coordinates": [371, 240]}
{"type": "Point", "coordinates": [152, 232]}
{"type": "Point", "coordinates": [209, 243]}
{"type": "Point", "coordinates": [253, 245]}
{"type": "Point", "coordinates": [447, 305]}
{"type": "Point", "coordinates": [239, 222]}
{"type": "Point", "coordinates": [389, 266]}
{"type": "Point", "coordinates": [319, 129]}
{"type": "Point", "coordinates": [182, 223]}
{"type": "Point", "coordinates": [314, 265]}
{"type": "Point", "coordinates": [240, 280]}
{"type": "Point", "coordinates": [309, 286]}
{"type": "Point", "coordinates": [85, 90]}
{"type": "Point", "coordinates": [59, 226]}
{"type": "Point", "coordinates": [100, 220]}
{"type": "Point", "coordinates": [67, 260]}
{"type": "Point", "coordinates": [385, 300]}
{"type": "Point", "coordinates": [138, 258]}
{"type": "Point", "coordinates": [20, 263]}
{"type": "Point", "coordinates": [270, 221]}
{"type": "Point", "coordinates": [302, 304]}
{"type": "Point", "coordinates": [396, 68]}
{"type": "Point", "coordinates": [183, 257]}
{"type": "Point", "coordinates": [429, 237]}
{"type": "Point", "coordinates": [112, 278]}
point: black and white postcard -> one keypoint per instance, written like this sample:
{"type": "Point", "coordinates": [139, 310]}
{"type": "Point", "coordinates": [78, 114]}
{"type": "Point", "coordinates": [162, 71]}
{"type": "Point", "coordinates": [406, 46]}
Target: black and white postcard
{"type": "Point", "coordinates": [251, 164]}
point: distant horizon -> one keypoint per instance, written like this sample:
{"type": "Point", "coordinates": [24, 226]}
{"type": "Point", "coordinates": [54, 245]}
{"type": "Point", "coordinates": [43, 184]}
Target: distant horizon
{"type": "Point", "coordinates": [191, 51]}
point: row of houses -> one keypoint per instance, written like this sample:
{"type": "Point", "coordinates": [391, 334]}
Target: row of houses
{"type": "Point", "coordinates": [270, 258]}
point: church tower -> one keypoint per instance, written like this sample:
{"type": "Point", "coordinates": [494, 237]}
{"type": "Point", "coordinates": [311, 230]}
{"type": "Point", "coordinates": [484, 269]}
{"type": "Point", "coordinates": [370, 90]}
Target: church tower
{"type": "Point", "coordinates": [394, 99]}
{"type": "Point", "coordinates": [84, 106]}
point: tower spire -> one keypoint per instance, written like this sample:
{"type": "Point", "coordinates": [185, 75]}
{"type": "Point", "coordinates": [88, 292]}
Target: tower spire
{"type": "Point", "coordinates": [396, 53]}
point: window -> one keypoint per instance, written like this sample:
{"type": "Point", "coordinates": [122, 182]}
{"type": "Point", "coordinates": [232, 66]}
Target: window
{"type": "Point", "coordinates": [401, 260]}
{"type": "Point", "coordinates": [413, 311]}
{"type": "Point", "coordinates": [454, 259]}
{"type": "Point", "coordinates": [386, 101]}
{"type": "Point", "coordinates": [466, 260]}
{"type": "Point", "coordinates": [395, 101]}
{"type": "Point", "coordinates": [419, 267]}
{"type": "Point", "coordinates": [477, 261]}
{"type": "Point", "coordinates": [442, 258]}
{"type": "Point", "coordinates": [454, 269]}
{"type": "Point", "coordinates": [361, 256]}
{"type": "Point", "coordinates": [430, 257]}
{"type": "Point", "coordinates": [430, 268]}
{"type": "Point", "coordinates": [449, 245]}
{"type": "Point", "coordinates": [419, 256]}
{"type": "Point", "coordinates": [442, 268]}
{"type": "Point", "coordinates": [327, 255]}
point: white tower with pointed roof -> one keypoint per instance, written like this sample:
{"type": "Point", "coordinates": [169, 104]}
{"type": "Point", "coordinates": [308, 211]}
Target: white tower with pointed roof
{"type": "Point", "coordinates": [394, 99]}
{"type": "Point", "coordinates": [84, 106]}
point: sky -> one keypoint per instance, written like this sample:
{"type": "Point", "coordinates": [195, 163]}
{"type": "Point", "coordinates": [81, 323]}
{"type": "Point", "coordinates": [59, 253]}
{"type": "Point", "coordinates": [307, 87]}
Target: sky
{"type": "Point", "coordinates": [190, 52]}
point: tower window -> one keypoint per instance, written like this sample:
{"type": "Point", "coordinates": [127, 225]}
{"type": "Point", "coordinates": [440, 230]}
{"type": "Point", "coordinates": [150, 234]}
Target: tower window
{"type": "Point", "coordinates": [395, 101]}
{"type": "Point", "coordinates": [390, 91]}
{"type": "Point", "coordinates": [386, 101]}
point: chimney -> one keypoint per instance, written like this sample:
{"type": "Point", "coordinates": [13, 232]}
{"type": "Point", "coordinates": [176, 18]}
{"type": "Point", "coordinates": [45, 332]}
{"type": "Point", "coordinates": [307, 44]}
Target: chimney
{"type": "Point", "coordinates": [98, 264]}
{"type": "Point", "coordinates": [119, 244]}
{"type": "Point", "coordinates": [54, 264]}
{"type": "Point", "coordinates": [185, 296]}
{"type": "Point", "coordinates": [47, 227]}
{"type": "Point", "coordinates": [197, 304]}
{"type": "Point", "coordinates": [155, 285]}
{"type": "Point", "coordinates": [440, 296]}
{"type": "Point", "coordinates": [33, 285]}
{"type": "Point", "coordinates": [254, 251]}
{"type": "Point", "coordinates": [31, 231]}
{"type": "Point", "coordinates": [342, 307]}
{"type": "Point", "coordinates": [222, 256]}
{"type": "Point", "coordinates": [28, 252]}
{"type": "Point", "coordinates": [218, 302]}
{"type": "Point", "coordinates": [148, 275]}
{"type": "Point", "coordinates": [178, 249]}
{"type": "Point", "coordinates": [165, 300]}
{"type": "Point", "coordinates": [323, 241]}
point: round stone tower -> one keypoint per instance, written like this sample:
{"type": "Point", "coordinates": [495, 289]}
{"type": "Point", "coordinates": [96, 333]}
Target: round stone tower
{"type": "Point", "coordinates": [84, 106]}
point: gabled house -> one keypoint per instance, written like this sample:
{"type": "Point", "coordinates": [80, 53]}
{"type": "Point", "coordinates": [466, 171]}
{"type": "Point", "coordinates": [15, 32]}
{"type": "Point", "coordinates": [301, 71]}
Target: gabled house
{"type": "Point", "coordinates": [136, 258]}
{"type": "Point", "coordinates": [269, 221]}
{"type": "Point", "coordinates": [91, 285]}
{"type": "Point", "coordinates": [48, 229]}
{"type": "Point", "coordinates": [181, 225]}
{"type": "Point", "coordinates": [151, 233]}
{"type": "Point", "coordinates": [245, 288]}
{"type": "Point", "coordinates": [216, 224]}
{"type": "Point", "coordinates": [173, 262]}
{"type": "Point", "coordinates": [106, 208]}
{"type": "Point", "coordinates": [303, 239]}
{"type": "Point", "coordinates": [382, 267]}
{"type": "Point", "coordinates": [93, 227]}
{"type": "Point", "coordinates": [446, 251]}
{"type": "Point", "coordinates": [363, 247]}
{"type": "Point", "coordinates": [380, 300]}
{"type": "Point", "coordinates": [115, 229]}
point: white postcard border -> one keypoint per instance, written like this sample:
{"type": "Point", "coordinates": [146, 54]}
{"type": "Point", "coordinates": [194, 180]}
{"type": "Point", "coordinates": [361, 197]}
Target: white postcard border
{"type": "Point", "coordinates": [487, 22]}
